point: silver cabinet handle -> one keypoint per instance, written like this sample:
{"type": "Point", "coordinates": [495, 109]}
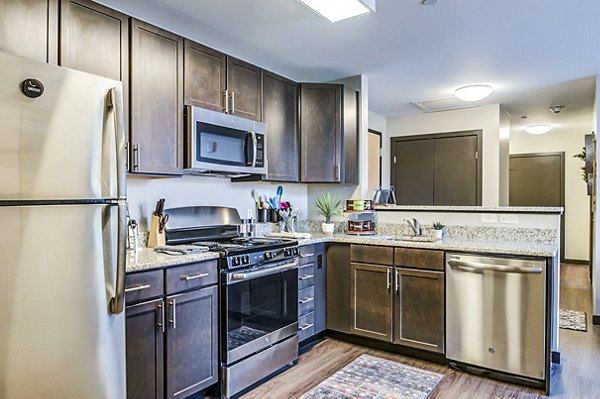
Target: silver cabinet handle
{"type": "Point", "coordinates": [136, 157]}
{"type": "Point", "coordinates": [308, 276]}
{"type": "Point", "coordinates": [138, 287]}
{"type": "Point", "coordinates": [305, 327]}
{"type": "Point", "coordinates": [338, 172]}
{"type": "Point", "coordinates": [194, 276]}
{"type": "Point", "coordinates": [127, 156]}
{"type": "Point", "coordinates": [233, 102]}
{"type": "Point", "coordinates": [117, 302]}
{"type": "Point", "coordinates": [226, 106]}
{"type": "Point", "coordinates": [307, 255]}
{"type": "Point", "coordinates": [162, 324]}
{"type": "Point", "coordinates": [305, 300]}
{"type": "Point", "coordinates": [173, 319]}
{"type": "Point", "coordinates": [397, 280]}
{"type": "Point", "coordinates": [388, 278]}
{"type": "Point", "coordinates": [475, 267]}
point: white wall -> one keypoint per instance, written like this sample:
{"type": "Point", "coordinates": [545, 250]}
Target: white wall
{"type": "Point", "coordinates": [577, 204]}
{"type": "Point", "coordinates": [596, 259]}
{"type": "Point", "coordinates": [143, 193]}
{"type": "Point", "coordinates": [486, 118]}
{"type": "Point", "coordinates": [504, 143]}
{"type": "Point", "coordinates": [379, 123]}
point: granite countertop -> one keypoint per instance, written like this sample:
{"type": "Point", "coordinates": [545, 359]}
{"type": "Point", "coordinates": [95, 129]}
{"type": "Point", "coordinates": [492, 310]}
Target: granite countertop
{"type": "Point", "coordinates": [147, 259]}
{"type": "Point", "coordinates": [524, 248]}
{"type": "Point", "coordinates": [471, 209]}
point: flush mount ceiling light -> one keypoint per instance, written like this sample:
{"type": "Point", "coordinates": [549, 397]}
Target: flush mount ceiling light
{"type": "Point", "coordinates": [338, 10]}
{"type": "Point", "coordinates": [473, 92]}
{"type": "Point", "coordinates": [538, 129]}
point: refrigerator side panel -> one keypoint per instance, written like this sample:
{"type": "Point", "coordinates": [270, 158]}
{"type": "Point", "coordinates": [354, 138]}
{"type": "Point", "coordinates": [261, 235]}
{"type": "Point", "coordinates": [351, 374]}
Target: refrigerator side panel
{"type": "Point", "coordinates": [63, 144]}
{"type": "Point", "coordinates": [57, 276]}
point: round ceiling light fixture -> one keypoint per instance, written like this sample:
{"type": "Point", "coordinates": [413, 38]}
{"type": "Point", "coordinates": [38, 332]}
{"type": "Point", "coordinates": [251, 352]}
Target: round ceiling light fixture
{"type": "Point", "coordinates": [538, 129]}
{"type": "Point", "coordinates": [473, 92]}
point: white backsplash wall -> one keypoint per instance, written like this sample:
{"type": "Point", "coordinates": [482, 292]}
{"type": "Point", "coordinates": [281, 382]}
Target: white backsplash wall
{"type": "Point", "coordinates": [142, 194]}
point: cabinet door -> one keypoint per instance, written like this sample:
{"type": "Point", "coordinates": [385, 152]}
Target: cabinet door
{"type": "Point", "coordinates": [280, 100]}
{"type": "Point", "coordinates": [371, 301]}
{"type": "Point", "coordinates": [320, 289]}
{"type": "Point", "coordinates": [144, 343]}
{"type": "Point", "coordinates": [338, 287]}
{"type": "Point", "coordinates": [29, 28]}
{"type": "Point", "coordinates": [204, 77]}
{"type": "Point", "coordinates": [321, 133]}
{"type": "Point", "coordinates": [156, 100]}
{"type": "Point", "coordinates": [455, 171]}
{"type": "Point", "coordinates": [244, 83]}
{"type": "Point", "coordinates": [191, 348]}
{"type": "Point", "coordinates": [412, 172]}
{"type": "Point", "coordinates": [419, 309]}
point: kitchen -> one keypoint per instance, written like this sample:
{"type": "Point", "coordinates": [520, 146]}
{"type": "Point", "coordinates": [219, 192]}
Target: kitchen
{"type": "Point", "coordinates": [150, 163]}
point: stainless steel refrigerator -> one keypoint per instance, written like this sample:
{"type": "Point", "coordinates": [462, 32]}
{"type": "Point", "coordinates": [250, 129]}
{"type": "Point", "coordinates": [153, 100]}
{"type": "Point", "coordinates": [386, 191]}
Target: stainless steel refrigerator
{"type": "Point", "coordinates": [62, 244]}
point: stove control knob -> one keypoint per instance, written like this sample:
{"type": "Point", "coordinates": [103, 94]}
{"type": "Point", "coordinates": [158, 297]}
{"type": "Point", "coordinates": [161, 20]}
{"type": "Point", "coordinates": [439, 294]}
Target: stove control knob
{"type": "Point", "coordinates": [295, 250]}
{"type": "Point", "coordinates": [268, 255]}
{"type": "Point", "coordinates": [235, 261]}
{"type": "Point", "coordinates": [286, 252]}
{"type": "Point", "coordinates": [246, 259]}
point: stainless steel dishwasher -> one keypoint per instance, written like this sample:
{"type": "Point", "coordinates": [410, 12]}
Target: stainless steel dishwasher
{"type": "Point", "coordinates": [496, 314]}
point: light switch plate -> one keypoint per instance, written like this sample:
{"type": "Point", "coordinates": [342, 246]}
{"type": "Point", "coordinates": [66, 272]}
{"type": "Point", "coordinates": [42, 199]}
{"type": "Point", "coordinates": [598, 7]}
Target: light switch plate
{"type": "Point", "coordinates": [489, 218]}
{"type": "Point", "coordinates": [514, 219]}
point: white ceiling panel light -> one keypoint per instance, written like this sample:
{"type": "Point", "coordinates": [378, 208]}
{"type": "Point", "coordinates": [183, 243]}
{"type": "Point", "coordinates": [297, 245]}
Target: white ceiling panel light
{"type": "Point", "coordinates": [473, 92]}
{"type": "Point", "coordinates": [538, 129]}
{"type": "Point", "coordinates": [338, 10]}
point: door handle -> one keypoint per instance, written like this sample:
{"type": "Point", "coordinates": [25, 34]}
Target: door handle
{"type": "Point", "coordinates": [173, 319]}
{"type": "Point", "coordinates": [226, 100]}
{"type": "Point", "coordinates": [115, 102]}
{"type": "Point", "coordinates": [397, 278]}
{"type": "Point", "coordinates": [475, 267]}
{"type": "Point", "coordinates": [117, 302]}
{"type": "Point", "coordinates": [138, 287]}
{"type": "Point", "coordinates": [233, 102]}
{"type": "Point", "coordinates": [388, 278]}
{"type": "Point", "coordinates": [161, 324]}
{"type": "Point", "coordinates": [194, 276]}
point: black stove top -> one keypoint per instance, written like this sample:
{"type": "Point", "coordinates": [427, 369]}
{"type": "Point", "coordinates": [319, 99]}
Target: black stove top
{"type": "Point", "coordinates": [240, 245]}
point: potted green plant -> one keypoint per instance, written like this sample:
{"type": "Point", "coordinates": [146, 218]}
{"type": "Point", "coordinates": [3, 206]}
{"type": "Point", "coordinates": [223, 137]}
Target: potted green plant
{"type": "Point", "coordinates": [438, 230]}
{"type": "Point", "coordinates": [328, 206]}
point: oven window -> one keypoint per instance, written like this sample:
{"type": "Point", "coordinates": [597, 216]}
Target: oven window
{"type": "Point", "coordinates": [261, 306]}
{"type": "Point", "coordinates": [220, 145]}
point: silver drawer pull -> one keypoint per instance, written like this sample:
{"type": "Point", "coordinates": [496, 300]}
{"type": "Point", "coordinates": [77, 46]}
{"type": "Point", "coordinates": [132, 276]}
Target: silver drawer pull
{"type": "Point", "coordinates": [306, 277]}
{"type": "Point", "coordinates": [194, 276]}
{"type": "Point", "coordinates": [307, 255]}
{"type": "Point", "coordinates": [138, 287]}
{"type": "Point", "coordinates": [306, 300]}
{"type": "Point", "coordinates": [305, 327]}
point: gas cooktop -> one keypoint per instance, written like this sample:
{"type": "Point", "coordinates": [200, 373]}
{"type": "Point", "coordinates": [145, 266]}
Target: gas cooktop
{"type": "Point", "coordinates": [241, 245]}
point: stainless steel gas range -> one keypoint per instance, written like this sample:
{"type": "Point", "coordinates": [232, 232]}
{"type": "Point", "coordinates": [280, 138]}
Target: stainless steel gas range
{"type": "Point", "coordinates": [258, 294]}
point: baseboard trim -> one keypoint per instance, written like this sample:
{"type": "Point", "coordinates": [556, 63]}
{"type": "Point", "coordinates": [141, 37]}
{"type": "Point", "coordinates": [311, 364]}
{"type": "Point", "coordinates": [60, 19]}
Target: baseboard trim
{"type": "Point", "coordinates": [596, 319]}
{"type": "Point", "coordinates": [576, 261]}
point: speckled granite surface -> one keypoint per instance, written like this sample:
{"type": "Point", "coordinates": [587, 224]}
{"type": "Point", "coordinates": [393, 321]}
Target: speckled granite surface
{"type": "Point", "coordinates": [482, 209]}
{"type": "Point", "coordinates": [147, 259]}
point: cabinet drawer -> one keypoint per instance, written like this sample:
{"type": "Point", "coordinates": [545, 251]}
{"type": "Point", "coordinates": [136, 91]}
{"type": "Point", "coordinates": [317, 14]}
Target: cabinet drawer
{"type": "Point", "coordinates": [191, 276]}
{"type": "Point", "coordinates": [419, 258]}
{"type": "Point", "coordinates": [306, 276]}
{"type": "Point", "coordinates": [306, 300]}
{"type": "Point", "coordinates": [372, 255]}
{"type": "Point", "coordinates": [306, 326]}
{"type": "Point", "coordinates": [144, 285]}
{"type": "Point", "coordinates": [307, 254]}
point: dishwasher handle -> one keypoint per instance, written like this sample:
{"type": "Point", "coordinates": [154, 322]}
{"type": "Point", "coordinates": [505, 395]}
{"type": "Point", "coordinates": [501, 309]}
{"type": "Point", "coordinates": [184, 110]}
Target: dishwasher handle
{"type": "Point", "coordinates": [476, 267]}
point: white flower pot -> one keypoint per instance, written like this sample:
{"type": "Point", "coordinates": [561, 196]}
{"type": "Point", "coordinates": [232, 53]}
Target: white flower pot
{"type": "Point", "coordinates": [327, 228]}
{"type": "Point", "coordinates": [438, 234]}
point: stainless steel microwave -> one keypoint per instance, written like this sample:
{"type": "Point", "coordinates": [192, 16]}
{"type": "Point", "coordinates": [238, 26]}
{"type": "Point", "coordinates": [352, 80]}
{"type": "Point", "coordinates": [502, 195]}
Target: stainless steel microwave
{"type": "Point", "coordinates": [218, 143]}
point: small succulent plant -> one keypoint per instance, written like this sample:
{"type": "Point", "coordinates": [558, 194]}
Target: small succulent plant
{"type": "Point", "coordinates": [438, 226]}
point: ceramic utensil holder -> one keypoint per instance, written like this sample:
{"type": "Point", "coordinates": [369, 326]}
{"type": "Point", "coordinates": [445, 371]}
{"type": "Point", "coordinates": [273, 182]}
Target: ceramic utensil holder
{"type": "Point", "coordinates": [156, 238]}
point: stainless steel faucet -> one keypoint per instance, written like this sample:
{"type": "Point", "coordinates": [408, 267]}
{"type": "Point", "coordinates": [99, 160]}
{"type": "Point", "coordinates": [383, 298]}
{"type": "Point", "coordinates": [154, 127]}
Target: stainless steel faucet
{"type": "Point", "coordinates": [415, 226]}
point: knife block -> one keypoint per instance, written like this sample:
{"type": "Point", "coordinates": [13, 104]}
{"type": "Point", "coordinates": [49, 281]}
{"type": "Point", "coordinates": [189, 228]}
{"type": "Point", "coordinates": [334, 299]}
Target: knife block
{"type": "Point", "coordinates": [156, 237]}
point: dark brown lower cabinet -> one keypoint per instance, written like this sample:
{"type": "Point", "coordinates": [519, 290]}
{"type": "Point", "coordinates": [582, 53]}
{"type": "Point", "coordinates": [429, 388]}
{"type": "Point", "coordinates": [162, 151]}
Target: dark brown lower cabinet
{"type": "Point", "coordinates": [371, 301]}
{"type": "Point", "coordinates": [145, 345]}
{"type": "Point", "coordinates": [419, 309]}
{"type": "Point", "coordinates": [191, 342]}
{"type": "Point", "coordinates": [338, 287]}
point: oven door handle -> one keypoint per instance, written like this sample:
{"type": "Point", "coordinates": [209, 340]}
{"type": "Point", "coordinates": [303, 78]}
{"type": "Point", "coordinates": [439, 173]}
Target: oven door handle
{"type": "Point", "coordinates": [237, 277]}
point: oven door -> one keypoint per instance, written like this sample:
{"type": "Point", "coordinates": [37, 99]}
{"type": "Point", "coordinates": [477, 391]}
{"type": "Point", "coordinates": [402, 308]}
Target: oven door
{"type": "Point", "coordinates": [260, 308]}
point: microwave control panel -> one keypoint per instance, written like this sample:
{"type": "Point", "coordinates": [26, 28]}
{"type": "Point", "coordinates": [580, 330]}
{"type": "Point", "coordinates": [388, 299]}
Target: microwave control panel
{"type": "Point", "coordinates": [260, 150]}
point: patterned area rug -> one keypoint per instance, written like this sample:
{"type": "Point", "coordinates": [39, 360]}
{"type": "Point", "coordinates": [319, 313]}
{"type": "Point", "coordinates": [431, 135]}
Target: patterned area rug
{"type": "Point", "coordinates": [368, 377]}
{"type": "Point", "coordinates": [572, 320]}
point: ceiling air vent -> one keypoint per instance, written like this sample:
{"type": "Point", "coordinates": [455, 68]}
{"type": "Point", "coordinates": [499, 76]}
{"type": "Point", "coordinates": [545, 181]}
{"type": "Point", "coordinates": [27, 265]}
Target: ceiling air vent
{"type": "Point", "coordinates": [442, 104]}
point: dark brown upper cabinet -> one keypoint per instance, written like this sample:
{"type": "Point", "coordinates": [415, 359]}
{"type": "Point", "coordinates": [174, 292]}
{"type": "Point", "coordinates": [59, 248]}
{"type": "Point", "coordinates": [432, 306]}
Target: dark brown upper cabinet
{"type": "Point", "coordinates": [29, 28]}
{"type": "Point", "coordinates": [156, 120]}
{"type": "Point", "coordinates": [95, 39]}
{"type": "Point", "coordinates": [222, 83]}
{"type": "Point", "coordinates": [280, 99]}
{"type": "Point", "coordinates": [328, 134]}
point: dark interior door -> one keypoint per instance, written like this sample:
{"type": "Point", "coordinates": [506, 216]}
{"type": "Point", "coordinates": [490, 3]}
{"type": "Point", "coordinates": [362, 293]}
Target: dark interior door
{"type": "Point", "coordinates": [538, 180]}
{"type": "Point", "coordinates": [455, 171]}
{"type": "Point", "coordinates": [413, 172]}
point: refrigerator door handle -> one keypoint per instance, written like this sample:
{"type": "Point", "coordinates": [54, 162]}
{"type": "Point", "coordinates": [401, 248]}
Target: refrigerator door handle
{"type": "Point", "coordinates": [115, 101]}
{"type": "Point", "coordinates": [117, 303]}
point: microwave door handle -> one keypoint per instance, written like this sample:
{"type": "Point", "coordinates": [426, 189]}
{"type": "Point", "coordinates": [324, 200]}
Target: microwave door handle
{"type": "Point", "coordinates": [255, 148]}
{"type": "Point", "coordinates": [249, 149]}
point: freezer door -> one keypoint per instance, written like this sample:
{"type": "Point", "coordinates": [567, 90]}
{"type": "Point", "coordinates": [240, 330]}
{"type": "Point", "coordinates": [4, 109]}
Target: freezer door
{"type": "Point", "coordinates": [68, 143]}
{"type": "Point", "coordinates": [59, 338]}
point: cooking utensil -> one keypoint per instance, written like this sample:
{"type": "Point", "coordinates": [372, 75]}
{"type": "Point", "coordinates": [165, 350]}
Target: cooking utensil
{"type": "Point", "coordinates": [279, 194]}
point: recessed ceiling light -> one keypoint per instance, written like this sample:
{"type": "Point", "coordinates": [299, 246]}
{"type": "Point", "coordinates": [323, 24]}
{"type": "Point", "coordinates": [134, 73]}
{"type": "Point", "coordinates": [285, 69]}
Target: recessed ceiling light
{"type": "Point", "coordinates": [538, 129]}
{"type": "Point", "coordinates": [473, 92]}
{"type": "Point", "coordinates": [338, 10]}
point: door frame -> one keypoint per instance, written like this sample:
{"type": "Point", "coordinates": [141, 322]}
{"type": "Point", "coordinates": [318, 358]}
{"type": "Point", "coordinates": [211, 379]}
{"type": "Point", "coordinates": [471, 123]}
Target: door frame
{"type": "Point", "coordinates": [431, 136]}
{"type": "Point", "coordinates": [561, 154]}
{"type": "Point", "coordinates": [380, 153]}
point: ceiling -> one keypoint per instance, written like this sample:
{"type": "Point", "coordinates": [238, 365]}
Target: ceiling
{"type": "Point", "coordinates": [535, 53]}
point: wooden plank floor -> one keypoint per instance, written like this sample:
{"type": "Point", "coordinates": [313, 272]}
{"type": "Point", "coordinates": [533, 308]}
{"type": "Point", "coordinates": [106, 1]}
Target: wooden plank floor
{"type": "Point", "coordinates": [577, 378]}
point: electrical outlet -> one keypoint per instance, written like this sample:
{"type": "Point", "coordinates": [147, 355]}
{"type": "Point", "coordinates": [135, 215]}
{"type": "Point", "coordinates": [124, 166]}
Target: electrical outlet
{"type": "Point", "coordinates": [514, 219]}
{"type": "Point", "coordinates": [487, 218]}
